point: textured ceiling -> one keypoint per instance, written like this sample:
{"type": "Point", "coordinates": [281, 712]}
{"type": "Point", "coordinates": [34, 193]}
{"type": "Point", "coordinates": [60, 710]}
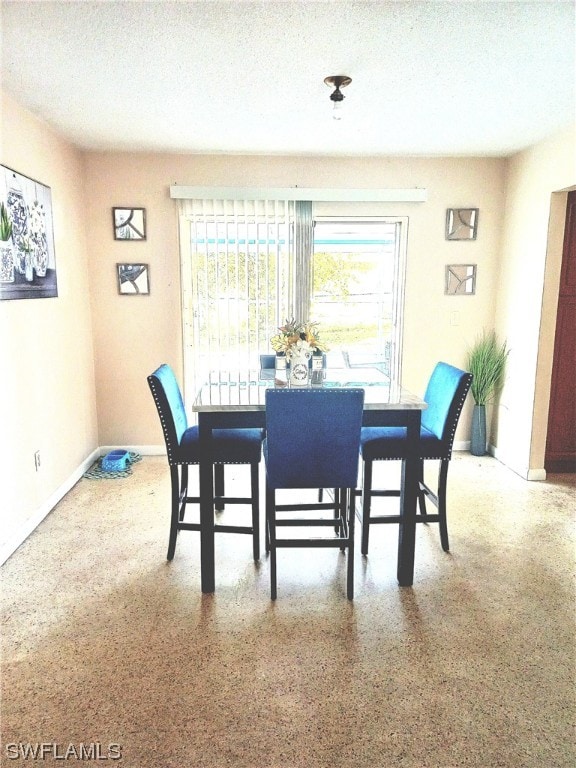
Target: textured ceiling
{"type": "Point", "coordinates": [428, 78]}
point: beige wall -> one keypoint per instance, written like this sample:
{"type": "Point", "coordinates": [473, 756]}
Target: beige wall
{"type": "Point", "coordinates": [133, 334]}
{"type": "Point", "coordinates": [75, 366]}
{"type": "Point", "coordinates": [527, 301]}
{"type": "Point", "coordinates": [47, 384]}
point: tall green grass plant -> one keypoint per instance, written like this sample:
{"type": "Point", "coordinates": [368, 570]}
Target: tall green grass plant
{"type": "Point", "coordinates": [487, 364]}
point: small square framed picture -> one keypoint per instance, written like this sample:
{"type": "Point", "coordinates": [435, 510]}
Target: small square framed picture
{"type": "Point", "coordinates": [133, 279]}
{"type": "Point", "coordinates": [129, 223]}
{"type": "Point", "coordinates": [461, 223]}
{"type": "Point", "coordinates": [460, 280]}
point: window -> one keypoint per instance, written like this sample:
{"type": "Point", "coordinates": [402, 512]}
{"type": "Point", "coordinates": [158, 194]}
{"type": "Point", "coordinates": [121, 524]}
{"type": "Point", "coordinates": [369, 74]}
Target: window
{"type": "Point", "coordinates": [357, 289]}
{"type": "Point", "coordinates": [248, 265]}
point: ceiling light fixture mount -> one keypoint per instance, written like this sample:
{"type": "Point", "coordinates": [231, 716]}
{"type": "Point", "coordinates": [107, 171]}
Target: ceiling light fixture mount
{"type": "Point", "coordinates": [337, 97]}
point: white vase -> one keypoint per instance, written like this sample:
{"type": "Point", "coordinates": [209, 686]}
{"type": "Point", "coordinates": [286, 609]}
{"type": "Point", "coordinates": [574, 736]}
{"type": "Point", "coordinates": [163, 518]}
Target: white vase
{"type": "Point", "coordinates": [38, 241]}
{"type": "Point", "coordinates": [41, 256]}
{"type": "Point", "coordinates": [299, 371]}
{"type": "Point", "coordinates": [18, 211]}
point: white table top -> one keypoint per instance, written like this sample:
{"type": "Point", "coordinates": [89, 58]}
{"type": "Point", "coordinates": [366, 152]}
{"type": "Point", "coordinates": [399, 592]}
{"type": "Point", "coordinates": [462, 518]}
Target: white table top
{"type": "Point", "coordinates": [245, 390]}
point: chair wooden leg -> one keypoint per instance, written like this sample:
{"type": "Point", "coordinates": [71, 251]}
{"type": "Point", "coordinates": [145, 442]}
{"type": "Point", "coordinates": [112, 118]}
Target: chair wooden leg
{"type": "Point", "coordinates": [175, 512]}
{"type": "Point", "coordinates": [340, 511]}
{"type": "Point", "coordinates": [271, 537]}
{"type": "Point", "coordinates": [219, 485]}
{"type": "Point", "coordinates": [350, 497]}
{"type": "Point", "coordinates": [337, 526]}
{"type": "Point", "coordinates": [255, 510]}
{"type": "Point", "coordinates": [421, 494]}
{"type": "Point", "coordinates": [366, 500]}
{"type": "Point", "coordinates": [183, 490]}
{"type": "Point", "coordinates": [442, 484]}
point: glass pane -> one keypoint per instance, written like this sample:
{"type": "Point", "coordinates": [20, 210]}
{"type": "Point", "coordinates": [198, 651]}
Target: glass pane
{"type": "Point", "coordinates": [239, 276]}
{"type": "Point", "coordinates": [353, 291]}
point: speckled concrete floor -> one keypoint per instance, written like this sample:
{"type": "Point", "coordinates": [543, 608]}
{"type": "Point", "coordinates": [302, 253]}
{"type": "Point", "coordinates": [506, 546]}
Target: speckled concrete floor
{"type": "Point", "coordinates": [106, 643]}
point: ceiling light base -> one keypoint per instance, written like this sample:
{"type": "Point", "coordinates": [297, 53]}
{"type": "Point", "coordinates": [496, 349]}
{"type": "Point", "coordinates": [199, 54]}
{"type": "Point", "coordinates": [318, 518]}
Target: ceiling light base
{"type": "Point", "coordinates": [338, 81]}
{"type": "Point", "coordinates": [337, 97]}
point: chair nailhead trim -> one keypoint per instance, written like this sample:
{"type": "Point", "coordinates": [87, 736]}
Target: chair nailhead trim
{"type": "Point", "coordinates": [169, 449]}
{"type": "Point", "coordinates": [153, 387]}
{"type": "Point", "coordinates": [451, 436]}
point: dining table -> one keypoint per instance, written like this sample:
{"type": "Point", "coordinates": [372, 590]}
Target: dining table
{"type": "Point", "coordinates": [230, 399]}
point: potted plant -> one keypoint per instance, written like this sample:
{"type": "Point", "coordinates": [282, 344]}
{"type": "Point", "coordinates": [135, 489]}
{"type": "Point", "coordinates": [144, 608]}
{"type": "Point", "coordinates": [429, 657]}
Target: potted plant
{"type": "Point", "coordinates": [6, 251]}
{"type": "Point", "coordinates": [486, 363]}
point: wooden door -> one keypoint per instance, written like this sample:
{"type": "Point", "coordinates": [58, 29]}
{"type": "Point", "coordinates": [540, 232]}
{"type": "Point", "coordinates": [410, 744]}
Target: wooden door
{"type": "Point", "coordinates": [561, 436]}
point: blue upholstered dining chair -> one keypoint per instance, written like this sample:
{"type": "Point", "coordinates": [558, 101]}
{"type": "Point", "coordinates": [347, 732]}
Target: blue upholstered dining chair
{"type": "Point", "coordinates": [303, 450]}
{"type": "Point", "coordinates": [445, 396]}
{"type": "Point", "coordinates": [231, 446]}
{"type": "Point", "coordinates": [267, 362]}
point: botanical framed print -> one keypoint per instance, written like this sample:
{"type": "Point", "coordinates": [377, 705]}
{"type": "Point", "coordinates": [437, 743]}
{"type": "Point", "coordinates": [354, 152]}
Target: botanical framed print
{"type": "Point", "coordinates": [27, 258]}
{"type": "Point", "coordinates": [133, 279]}
{"type": "Point", "coordinates": [460, 279]}
{"type": "Point", "coordinates": [461, 223]}
{"type": "Point", "coordinates": [129, 223]}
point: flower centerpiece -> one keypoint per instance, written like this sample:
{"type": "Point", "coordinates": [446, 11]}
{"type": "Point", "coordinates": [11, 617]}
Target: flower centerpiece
{"type": "Point", "coordinates": [297, 342]}
{"type": "Point", "coordinates": [294, 338]}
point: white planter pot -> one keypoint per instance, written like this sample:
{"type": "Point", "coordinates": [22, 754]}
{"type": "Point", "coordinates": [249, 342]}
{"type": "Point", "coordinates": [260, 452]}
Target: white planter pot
{"type": "Point", "coordinates": [299, 371]}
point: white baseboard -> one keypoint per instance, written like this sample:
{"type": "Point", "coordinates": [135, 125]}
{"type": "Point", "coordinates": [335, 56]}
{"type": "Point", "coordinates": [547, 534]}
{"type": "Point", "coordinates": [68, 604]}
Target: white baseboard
{"type": "Point", "coordinates": [525, 474]}
{"type": "Point", "coordinates": [536, 474]}
{"type": "Point", "coordinates": [10, 546]}
{"type": "Point", "coordinates": [143, 450]}
{"type": "Point", "coordinates": [539, 473]}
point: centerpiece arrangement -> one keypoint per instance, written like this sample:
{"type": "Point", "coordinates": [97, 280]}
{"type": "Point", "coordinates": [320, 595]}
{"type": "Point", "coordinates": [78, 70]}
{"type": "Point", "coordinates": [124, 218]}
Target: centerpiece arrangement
{"type": "Point", "coordinates": [297, 342]}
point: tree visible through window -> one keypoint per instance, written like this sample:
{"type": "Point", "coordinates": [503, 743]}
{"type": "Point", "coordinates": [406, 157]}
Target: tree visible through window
{"type": "Point", "coordinates": [354, 289]}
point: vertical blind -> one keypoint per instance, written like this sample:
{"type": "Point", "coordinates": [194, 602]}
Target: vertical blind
{"type": "Point", "coordinates": [242, 266]}
{"type": "Point", "coordinates": [303, 250]}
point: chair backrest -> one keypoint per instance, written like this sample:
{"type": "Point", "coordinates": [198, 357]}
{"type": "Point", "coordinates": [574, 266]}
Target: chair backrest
{"type": "Point", "coordinates": [445, 395]}
{"type": "Point", "coordinates": [267, 361]}
{"type": "Point", "coordinates": [168, 399]}
{"type": "Point", "coordinates": [313, 437]}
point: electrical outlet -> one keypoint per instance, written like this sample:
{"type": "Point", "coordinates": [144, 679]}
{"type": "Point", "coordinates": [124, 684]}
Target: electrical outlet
{"type": "Point", "coordinates": [37, 460]}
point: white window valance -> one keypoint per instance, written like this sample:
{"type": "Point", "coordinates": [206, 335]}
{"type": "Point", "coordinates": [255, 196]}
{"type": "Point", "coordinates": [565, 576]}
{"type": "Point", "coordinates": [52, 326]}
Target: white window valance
{"type": "Point", "coordinates": [313, 194]}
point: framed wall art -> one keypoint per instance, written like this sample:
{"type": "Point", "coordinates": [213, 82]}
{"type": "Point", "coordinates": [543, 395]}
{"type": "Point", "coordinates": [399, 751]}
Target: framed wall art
{"type": "Point", "coordinates": [129, 223]}
{"type": "Point", "coordinates": [461, 223]}
{"type": "Point", "coordinates": [133, 279]}
{"type": "Point", "coordinates": [27, 258]}
{"type": "Point", "coordinates": [460, 280]}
